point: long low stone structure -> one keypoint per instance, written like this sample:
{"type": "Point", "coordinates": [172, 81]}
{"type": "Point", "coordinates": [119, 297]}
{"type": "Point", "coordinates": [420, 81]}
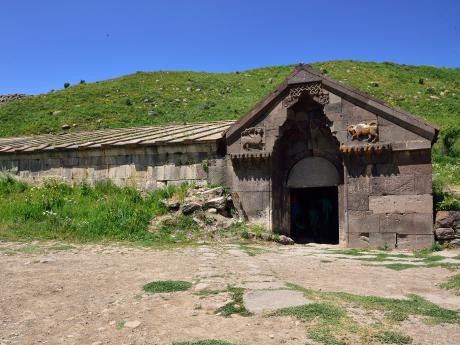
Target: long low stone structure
{"type": "Point", "coordinates": [144, 168]}
{"type": "Point", "coordinates": [315, 160]}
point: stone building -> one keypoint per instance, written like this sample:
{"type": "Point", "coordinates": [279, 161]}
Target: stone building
{"type": "Point", "coordinates": [315, 159]}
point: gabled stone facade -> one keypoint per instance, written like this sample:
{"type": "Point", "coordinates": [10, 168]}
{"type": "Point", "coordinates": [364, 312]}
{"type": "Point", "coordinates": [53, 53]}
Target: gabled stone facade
{"type": "Point", "coordinates": [377, 158]}
{"type": "Point", "coordinates": [314, 160]}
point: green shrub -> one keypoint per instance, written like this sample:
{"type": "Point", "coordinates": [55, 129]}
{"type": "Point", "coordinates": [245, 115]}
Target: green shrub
{"type": "Point", "coordinates": [66, 85]}
{"type": "Point", "coordinates": [9, 185]}
{"type": "Point", "coordinates": [450, 136]}
{"type": "Point", "coordinates": [443, 200]}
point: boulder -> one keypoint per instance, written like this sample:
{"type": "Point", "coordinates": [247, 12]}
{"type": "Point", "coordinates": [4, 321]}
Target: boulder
{"type": "Point", "coordinates": [285, 240]}
{"type": "Point", "coordinates": [217, 191]}
{"type": "Point", "coordinates": [252, 234]}
{"type": "Point", "coordinates": [219, 203]}
{"type": "Point", "coordinates": [224, 223]}
{"type": "Point", "coordinates": [444, 233]}
{"type": "Point", "coordinates": [191, 207]}
{"type": "Point", "coordinates": [454, 243]}
{"type": "Point", "coordinates": [156, 222]}
{"type": "Point", "coordinates": [132, 324]}
{"type": "Point", "coordinates": [199, 222]}
{"type": "Point", "coordinates": [448, 219]}
{"type": "Point", "coordinates": [171, 205]}
{"type": "Point", "coordinates": [266, 237]}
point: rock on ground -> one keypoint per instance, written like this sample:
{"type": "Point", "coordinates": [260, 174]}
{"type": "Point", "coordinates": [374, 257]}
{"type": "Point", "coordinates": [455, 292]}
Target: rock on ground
{"type": "Point", "coordinates": [262, 300]}
{"type": "Point", "coordinates": [285, 240]}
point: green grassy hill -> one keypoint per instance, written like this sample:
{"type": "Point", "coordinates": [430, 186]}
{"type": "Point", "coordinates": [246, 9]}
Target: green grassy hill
{"type": "Point", "coordinates": [147, 98]}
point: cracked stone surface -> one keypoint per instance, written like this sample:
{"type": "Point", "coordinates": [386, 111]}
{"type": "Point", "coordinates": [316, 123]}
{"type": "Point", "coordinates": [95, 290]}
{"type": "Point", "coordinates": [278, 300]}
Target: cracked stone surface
{"type": "Point", "coordinates": [264, 300]}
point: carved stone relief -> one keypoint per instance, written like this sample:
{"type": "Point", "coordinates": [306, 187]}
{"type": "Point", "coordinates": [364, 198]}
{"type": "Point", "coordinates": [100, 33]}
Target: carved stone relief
{"type": "Point", "coordinates": [313, 89]}
{"type": "Point", "coordinates": [368, 131]}
{"type": "Point", "coordinates": [253, 139]}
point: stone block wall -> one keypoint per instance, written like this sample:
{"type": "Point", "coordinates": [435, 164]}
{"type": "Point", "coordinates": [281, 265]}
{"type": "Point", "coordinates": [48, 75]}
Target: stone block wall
{"type": "Point", "coordinates": [250, 181]}
{"type": "Point", "coordinates": [144, 168]}
{"type": "Point", "coordinates": [448, 228]}
{"type": "Point", "coordinates": [390, 203]}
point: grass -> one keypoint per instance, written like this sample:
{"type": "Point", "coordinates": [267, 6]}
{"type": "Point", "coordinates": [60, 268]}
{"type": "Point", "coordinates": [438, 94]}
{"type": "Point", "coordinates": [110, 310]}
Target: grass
{"type": "Point", "coordinates": [219, 96]}
{"type": "Point", "coordinates": [82, 213]}
{"type": "Point", "coordinates": [395, 310]}
{"type": "Point", "coordinates": [424, 256]}
{"type": "Point", "coordinates": [203, 342]}
{"type": "Point", "coordinates": [324, 311]}
{"type": "Point", "coordinates": [147, 98]}
{"type": "Point", "coordinates": [328, 319]}
{"type": "Point", "coordinates": [101, 213]}
{"type": "Point", "coordinates": [252, 251]}
{"type": "Point", "coordinates": [391, 337]}
{"type": "Point", "coordinates": [446, 265]}
{"type": "Point", "coordinates": [350, 252]}
{"type": "Point", "coordinates": [397, 266]}
{"type": "Point", "coordinates": [120, 324]}
{"type": "Point", "coordinates": [209, 292]}
{"type": "Point", "coordinates": [167, 286]}
{"type": "Point", "coordinates": [452, 284]}
{"type": "Point", "coordinates": [236, 306]}
{"type": "Point", "coordinates": [40, 248]}
{"type": "Point", "coordinates": [61, 247]}
{"type": "Point", "coordinates": [434, 258]}
{"type": "Point", "coordinates": [426, 252]}
{"type": "Point", "coordinates": [380, 257]}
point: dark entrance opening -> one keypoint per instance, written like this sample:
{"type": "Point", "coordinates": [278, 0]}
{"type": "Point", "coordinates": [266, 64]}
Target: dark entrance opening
{"type": "Point", "coordinates": [315, 215]}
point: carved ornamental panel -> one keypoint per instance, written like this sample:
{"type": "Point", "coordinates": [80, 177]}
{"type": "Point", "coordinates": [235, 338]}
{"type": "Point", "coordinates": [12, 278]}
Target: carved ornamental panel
{"type": "Point", "coordinates": [253, 139]}
{"type": "Point", "coordinates": [313, 89]}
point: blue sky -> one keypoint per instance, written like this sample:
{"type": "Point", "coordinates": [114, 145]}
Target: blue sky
{"type": "Point", "coordinates": [48, 42]}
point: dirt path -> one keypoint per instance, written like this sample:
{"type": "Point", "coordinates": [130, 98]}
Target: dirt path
{"type": "Point", "coordinates": [57, 294]}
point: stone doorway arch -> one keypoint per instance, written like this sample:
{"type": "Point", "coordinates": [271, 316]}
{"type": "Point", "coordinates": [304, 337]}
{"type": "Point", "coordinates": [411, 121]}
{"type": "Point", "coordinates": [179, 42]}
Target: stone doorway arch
{"type": "Point", "coordinates": [313, 172]}
{"type": "Point", "coordinates": [313, 190]}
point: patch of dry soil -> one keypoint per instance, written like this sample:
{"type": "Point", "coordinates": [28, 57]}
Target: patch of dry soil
{"type": "Point", "coordinates": [93, 294]}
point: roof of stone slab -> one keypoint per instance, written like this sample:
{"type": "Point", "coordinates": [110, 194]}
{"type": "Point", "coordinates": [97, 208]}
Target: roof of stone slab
{"type": "Point", "coordinates": [192, 133]}
{"type": "Point", "coordinates": [306, 74]}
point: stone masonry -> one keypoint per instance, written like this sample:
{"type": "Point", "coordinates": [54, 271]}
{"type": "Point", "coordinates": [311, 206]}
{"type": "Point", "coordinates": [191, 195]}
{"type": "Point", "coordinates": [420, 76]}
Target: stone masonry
{"type": "Point", "coordinates": [144, 168]}
{"type": "Point", "coordinates": [314, 160]}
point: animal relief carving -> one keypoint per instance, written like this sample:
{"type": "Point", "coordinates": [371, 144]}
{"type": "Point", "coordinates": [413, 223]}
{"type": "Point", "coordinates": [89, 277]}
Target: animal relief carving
{"type": "Point", "coordinates": [252, 138]}
{"type": "Point", "coordinates": [367, 131]}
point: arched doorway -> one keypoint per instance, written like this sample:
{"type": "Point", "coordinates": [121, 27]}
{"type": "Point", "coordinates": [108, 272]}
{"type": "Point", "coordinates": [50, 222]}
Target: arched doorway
{"type": "Point", "coordinates": [313, 188]}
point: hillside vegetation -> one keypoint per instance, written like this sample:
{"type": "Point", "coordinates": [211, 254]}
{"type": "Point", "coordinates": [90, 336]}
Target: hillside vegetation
{"type": "Point", "coordinates": [147, 98]}
{"type": "Point", "coordinates": [105, 212]}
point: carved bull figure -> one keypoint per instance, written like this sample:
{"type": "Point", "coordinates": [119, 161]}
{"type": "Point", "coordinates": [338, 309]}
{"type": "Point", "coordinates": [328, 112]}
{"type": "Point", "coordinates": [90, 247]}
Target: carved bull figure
{"type": "Point", "coordinates": [252, 138]}
{"type": "Point", "coordinates": [364, 130]}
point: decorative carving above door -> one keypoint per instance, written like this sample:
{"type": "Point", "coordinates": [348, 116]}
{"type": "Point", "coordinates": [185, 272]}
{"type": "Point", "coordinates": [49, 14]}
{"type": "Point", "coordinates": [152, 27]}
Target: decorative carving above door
{"type": "Point", "coordinates": [313, 89]}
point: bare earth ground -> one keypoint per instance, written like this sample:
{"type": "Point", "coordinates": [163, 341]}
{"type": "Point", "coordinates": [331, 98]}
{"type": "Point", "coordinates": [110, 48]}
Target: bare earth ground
{"type": "Point", "coordinates": [83, 294]}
